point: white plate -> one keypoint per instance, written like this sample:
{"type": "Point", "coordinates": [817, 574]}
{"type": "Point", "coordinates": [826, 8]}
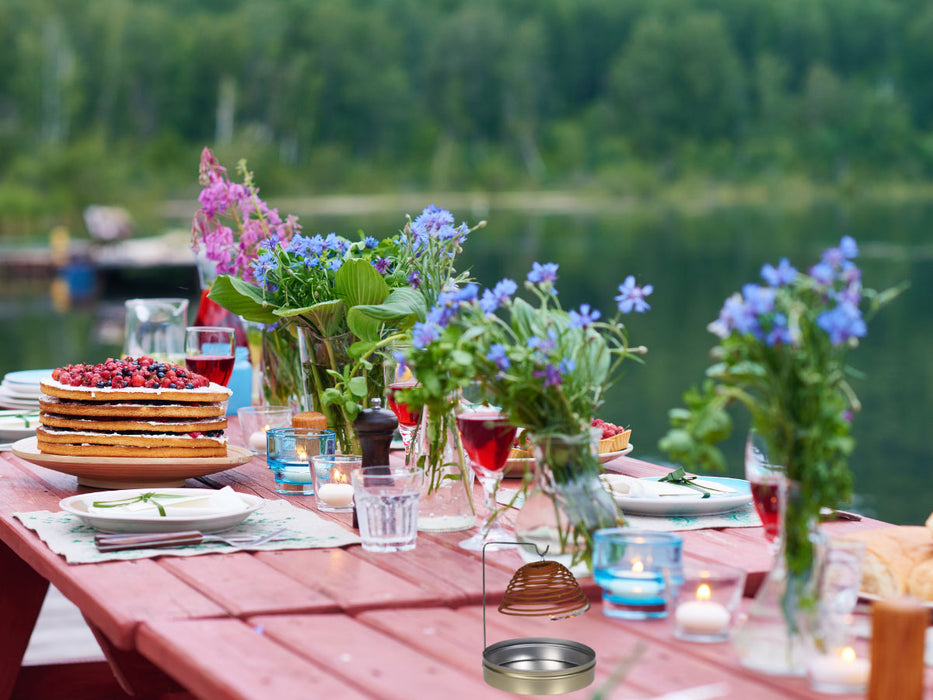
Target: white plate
{"type": "Point", "coordinates": [9, 433]}
{"type": "Point", "coordinates": [515, 468]}
{"type": "Point", "coordinates": [674, 506]}
{"type": "Point", "coordinates": [27, 377]}
{"type": "Point", "coordinates": [143, 522]}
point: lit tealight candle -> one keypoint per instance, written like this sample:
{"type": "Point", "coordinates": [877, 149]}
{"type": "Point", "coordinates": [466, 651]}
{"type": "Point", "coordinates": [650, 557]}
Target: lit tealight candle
{"type": "Point", "coordinates": [257, 441]}
{"type": "Point", "coordinates": [336, 495]}
{"type": "Point", "coordinates": [842, 670]}
{"type": "Point", "coordinates": [636, 584]}
{"type": "Point", "coordinates": [702, 617]}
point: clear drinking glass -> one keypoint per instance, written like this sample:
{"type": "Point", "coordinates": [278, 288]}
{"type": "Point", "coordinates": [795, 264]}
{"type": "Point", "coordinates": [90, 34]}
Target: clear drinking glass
{"type": "Point", "coordinates": [387, 506]}
{"type": "Point", "coordinates": [210, 351]}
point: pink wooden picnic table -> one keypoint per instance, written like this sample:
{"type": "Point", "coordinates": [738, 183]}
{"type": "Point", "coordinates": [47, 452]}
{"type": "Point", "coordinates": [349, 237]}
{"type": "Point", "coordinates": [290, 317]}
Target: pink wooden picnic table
{"type": "Point", "coordinates": [334, 623]}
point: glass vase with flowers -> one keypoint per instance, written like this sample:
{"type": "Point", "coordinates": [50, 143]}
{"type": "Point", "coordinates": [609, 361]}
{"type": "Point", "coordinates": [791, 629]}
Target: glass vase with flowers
{"type": "Point", "coordinates": [547, 370]}
{"type": "Point", "coordinates": [782, 354]}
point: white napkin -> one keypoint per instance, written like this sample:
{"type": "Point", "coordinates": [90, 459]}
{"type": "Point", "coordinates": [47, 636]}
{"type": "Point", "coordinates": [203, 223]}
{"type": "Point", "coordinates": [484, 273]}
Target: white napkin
{"type": "Point", "coordinates": [647, 488]}
{"type": "Point", "coordinates": [205, 502]}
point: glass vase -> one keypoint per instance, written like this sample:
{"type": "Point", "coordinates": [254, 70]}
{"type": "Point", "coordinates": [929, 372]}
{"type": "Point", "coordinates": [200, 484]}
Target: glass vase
{"type": "Point", "coordinates": [567, 502]}
{"type": "Point", "coordinates": [280, 369]}
{"type": "Point", "coordinates": [776, 635]}
{"type": "Point", "coordinates": [318, 357]}
{"type": "Point", "coordinates": [446, 503]}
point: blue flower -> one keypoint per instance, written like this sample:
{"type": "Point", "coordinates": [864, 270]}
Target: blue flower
{"type": "Point", "coordinates": [566, 366]}
{"type": "Point", "coordinates": [779, 333]}
{"type": "Point", "coordinates": [823, 273]}
{"type": "Point", "coordinates": [264, 263]}
{"type": "Point", "coordinates": [842, 322]}
{"type": "Point", "coordinates": [316, 244]}
{"type": "Point", "coordinates": [382, 265]}
{"type": "Point", "coordinates": [545, 274]}
{"type": "Point", "coordinates": [584, 318]}
{"type": "Point", "coordinates": [497, 296]}
{"type": "Point", "coordinates": [848, 247]}
{"type": "Point", "coordinates": [423, 334]}
{"type": "Point", "coordinates": [414, 279]}
{"type": "Point", "coordinates": [632, 298]}
{"type": "Point", "coordinates": [370, 242]}
{"type": "Point", "coordinates": [732, 310]}
{"type": "Point", "coordinates": [551, 374]}
{"type": "Point", "coordinates": [335, 264]}
{"type": "Point", "coordinates": [784, 273]}
{"type": "Point", "coordinates": [498, 355]}
{"type": "Point", "coordinates": [758, 300]}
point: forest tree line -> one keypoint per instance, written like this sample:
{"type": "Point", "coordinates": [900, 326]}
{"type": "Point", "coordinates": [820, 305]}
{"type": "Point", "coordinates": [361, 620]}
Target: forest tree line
{"type": "Point", "coordinates": [112, 100]}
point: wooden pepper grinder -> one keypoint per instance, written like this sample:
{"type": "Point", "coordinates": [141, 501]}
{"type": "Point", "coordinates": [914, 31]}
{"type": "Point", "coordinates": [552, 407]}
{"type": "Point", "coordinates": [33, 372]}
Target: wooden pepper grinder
{"type": "Point", "coordinates": [897, 647]}
{"type": "Point", "coordinates": [375, 427]}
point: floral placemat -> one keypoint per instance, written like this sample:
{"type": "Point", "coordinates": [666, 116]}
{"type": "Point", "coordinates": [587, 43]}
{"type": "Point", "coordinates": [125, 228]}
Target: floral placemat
{"type": "Point", "coordinates": [742, 517]}
{"type": "Point", "coordinates": [67, 535]}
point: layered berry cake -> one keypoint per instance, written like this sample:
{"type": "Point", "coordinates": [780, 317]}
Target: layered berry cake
{"type": "Point", "coordinates": [135, 407]}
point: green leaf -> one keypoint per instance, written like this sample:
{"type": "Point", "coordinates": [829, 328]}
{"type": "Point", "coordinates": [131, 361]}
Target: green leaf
{"type": "Point", "coordinates": [357, 282]}
{"type": "Point", "coordinates": [358, 387]}
{"type": "Point", "coordinates": [242, 299]}
{"type": "Point", "coordinates": [324, 317]}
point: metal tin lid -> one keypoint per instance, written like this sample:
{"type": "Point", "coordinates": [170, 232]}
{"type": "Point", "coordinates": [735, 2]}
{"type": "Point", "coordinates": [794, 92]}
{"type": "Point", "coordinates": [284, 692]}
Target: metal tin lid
{"type": "Point", "coordinates": [539, 665]}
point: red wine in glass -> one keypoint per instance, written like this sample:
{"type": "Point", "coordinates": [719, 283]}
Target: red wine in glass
{"type": "Point", "coordinates": [487, 438]}
{"type": "Point", "coordinates": [406, 415]}
{"type": "Point", "coordinates": [767, 503]}
{"type": "Point", "coordinates": [217, 368]}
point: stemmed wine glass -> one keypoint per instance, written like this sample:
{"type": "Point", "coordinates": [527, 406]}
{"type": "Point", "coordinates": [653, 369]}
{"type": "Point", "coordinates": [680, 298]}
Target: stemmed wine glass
{"type": "Point", "coordinates": [765, 480]}
{"type": "Point", "coordinates": [487, 438]}
{"type": "Point", "coordinates": [211, 351]}
{"type": "Point", "coordinates": [398, 377]}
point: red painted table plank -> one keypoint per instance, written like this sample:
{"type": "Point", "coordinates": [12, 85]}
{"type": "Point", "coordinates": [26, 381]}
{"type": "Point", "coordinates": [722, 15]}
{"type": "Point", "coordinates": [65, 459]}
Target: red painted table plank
{"type": "Point", "coordinates": [229, 660]}
{"type": "Point", "coordinates": [370, 660]}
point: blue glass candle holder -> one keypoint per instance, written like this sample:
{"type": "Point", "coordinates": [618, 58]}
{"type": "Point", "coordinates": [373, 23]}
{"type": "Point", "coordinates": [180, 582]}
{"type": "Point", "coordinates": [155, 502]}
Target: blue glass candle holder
{"type": "Point", "coordinates": [639, 571]}
{"type": "Point", "coordinates": [289, 452]}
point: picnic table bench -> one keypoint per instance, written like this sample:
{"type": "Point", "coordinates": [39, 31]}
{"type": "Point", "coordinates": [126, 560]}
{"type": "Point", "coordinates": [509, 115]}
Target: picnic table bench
{"type": "Point", "coordinates": [330, 623]}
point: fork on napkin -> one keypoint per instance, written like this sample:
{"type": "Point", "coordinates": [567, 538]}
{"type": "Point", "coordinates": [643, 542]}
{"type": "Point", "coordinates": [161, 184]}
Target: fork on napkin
{"type": "Point", "coordinates": [648, 488]}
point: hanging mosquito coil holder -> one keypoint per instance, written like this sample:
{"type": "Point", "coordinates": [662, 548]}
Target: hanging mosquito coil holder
{"type": "Point", "coordinates": [538, 665]}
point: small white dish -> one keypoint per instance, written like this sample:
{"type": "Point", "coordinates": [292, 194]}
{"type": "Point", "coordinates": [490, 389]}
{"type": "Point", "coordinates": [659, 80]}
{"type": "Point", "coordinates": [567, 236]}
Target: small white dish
{"type": "Point", "coordinates": [13, 425]}
{"type": "Point", "coordinates": [689, 504]}
{"type": "Point", "coordinates": [153, 522]}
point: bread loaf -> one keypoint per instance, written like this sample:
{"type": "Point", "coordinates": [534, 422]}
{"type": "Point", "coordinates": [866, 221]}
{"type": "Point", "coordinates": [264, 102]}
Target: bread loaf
{"type": "Point", "coordinates": [898, 561]}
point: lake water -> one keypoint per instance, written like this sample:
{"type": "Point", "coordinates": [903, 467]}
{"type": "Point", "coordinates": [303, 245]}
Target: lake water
{"type": "Point", "coordinates": [694, 263]}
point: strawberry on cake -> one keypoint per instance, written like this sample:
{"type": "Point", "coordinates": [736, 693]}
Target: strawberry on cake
{"type": "Point", "coordinates": [135, 407]}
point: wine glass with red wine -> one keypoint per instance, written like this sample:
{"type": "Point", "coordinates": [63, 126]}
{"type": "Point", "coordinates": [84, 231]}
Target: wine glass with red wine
{"type": "Point", "coordinates": [765, 480]}
{"type": "Point", "coordinates": [210, 351]}
{"type": "Point", "coordinates": [487, 438]}
{"type": "Point", "coordinates": [398, 377]}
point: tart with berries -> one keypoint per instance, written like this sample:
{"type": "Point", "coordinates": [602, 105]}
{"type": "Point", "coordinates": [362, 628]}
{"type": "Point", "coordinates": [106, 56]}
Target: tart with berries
{"type": "Point", "coordinates": [613, 438]}
{"type": "Point", "coordinates": [135, 407]}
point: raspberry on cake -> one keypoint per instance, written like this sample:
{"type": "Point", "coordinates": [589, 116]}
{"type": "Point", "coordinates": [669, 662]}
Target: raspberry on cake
{"type": "Point", "coordinates": [613, 437]}
{"type": "Point", "coordinates": [132, 407]}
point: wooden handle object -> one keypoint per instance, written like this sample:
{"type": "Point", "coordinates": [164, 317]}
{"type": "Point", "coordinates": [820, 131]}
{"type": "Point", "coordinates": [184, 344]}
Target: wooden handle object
{"type": "Point", "coordinates": [897, 646]}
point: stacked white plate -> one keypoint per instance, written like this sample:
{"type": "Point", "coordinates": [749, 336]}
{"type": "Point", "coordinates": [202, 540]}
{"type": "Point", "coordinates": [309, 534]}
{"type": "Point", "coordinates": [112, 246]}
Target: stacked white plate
{"type": "Point", "coordinates": [21, 389]}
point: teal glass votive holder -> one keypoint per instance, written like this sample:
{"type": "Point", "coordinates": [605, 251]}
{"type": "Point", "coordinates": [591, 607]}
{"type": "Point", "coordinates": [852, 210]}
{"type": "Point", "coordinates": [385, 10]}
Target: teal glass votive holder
{"type": "Point", "coordinates": [639, 571]}
{"type": "Point", "coordinates": [289, 452]}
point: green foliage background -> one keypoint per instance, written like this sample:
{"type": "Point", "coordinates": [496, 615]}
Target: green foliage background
{"type": "Point", "coordinates": [110, 101]}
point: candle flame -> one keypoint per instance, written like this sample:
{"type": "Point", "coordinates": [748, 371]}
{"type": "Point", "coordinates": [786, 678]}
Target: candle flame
{"type": "Point", "coordinates": [266, 427]}
{"type": "Point", "coordinates": [301, 453]}
{"type": "Point", "coordinates": [703, 592]}
{"type": "Point", "coordinates": [637, 566]}
{"type": "Point", "coordinates": [338, 477]}
{"type": "Point", "coordinates": [847, 654]}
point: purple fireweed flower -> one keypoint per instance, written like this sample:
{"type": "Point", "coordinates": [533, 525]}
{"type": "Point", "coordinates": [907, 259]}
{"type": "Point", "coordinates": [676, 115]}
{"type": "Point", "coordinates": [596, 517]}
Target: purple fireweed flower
{"type": "Point", "coordinates": [370, 242]}
{"type": "Point", "coordinates": [414, 279]}
{"type": "Point", "coordinates": [632, 298]}
{"type": "Point", "coordinates": [382, 265]}
{"type": "Point", "coordinates": [784, 273]}
{"type": "Point", "coordinates": [842, 322]}
{"type": "Point", "coordinates": [823, 273]}
{"type": "Point", "coordinates": [498, 355]}
{"type": "Point", "coordinates": [423, 334]}
{"type": "Point", "coordinates": [545, 274]}
{"type": "Point", "coordinates": [584, 318]}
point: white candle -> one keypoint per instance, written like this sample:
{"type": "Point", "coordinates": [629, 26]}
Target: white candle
{"type": "Point", "coordinates": [702, 616]}
{"type": "Point", "coordinates": [297, 475]}
{"type": "Point", "coordinates": [257, 441]}
{"type": "Point", "coordinates": [636, 584]}
{"type": "Point", "coordinates": [842, 668]}
{"type": "Point", "coordinates": [336, 495]}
